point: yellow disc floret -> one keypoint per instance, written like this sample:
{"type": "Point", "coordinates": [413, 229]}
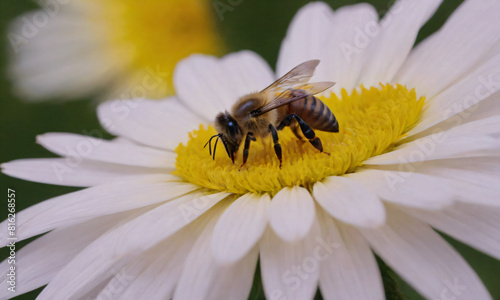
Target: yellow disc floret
{"type": "Point", "coordinates": [371, 121]}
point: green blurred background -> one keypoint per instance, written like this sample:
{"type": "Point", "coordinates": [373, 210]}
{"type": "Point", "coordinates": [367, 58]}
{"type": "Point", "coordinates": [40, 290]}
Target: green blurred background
{"type": "Point", "coordinates": [256, 25]}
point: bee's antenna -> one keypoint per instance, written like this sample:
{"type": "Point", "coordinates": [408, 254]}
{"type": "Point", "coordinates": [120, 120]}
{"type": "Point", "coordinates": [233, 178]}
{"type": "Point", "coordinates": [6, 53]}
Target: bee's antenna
{"type": "Point", "coordinates": [227, 150]}
{"type": "Point", "coordinates": [215, 146]}
{"type": "Point", "coordinates": [210, 143]}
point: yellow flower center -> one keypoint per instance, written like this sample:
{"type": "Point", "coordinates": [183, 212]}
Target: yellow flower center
{"type": "Point", "coordinates": [370, 123]}
{"type": "Point", "coordinates": [155, 35]}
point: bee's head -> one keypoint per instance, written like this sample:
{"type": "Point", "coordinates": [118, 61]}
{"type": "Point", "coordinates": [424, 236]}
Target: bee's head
{"type": "Point", "coordinates": [229, 132]}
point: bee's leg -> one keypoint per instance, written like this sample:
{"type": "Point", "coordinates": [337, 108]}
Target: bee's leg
{"type": "Point", "coordinates": [306, 130]}
{"type": "Point", "coordinates": [296, 130]}
{"type": "Point", "coordinates": [250, 137]}
{"type": "Point", "coordinates": [277, 146]}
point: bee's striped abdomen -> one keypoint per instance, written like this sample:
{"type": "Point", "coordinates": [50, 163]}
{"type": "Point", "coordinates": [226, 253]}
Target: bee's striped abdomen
{"type": "Point", "coordinates": [315, 113]}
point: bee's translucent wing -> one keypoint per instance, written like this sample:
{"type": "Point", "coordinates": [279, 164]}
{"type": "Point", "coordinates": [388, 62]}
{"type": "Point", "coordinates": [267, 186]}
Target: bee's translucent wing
{"type": "Point", "coordinates": [298, 75]}
{"type": "Point", "coordinates": [294, 94]}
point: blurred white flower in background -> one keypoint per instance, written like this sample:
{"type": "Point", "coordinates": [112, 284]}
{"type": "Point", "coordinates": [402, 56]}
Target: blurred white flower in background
{"type": "Point", "coordinates": [109, 49]}
{"type": "Point", "coordinates": [161, 220]}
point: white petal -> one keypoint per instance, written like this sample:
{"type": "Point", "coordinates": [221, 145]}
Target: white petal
{"type": "Point", "coordinates": [481, 119]}
{"type": "Point", "coordinates": [235, 282]}
{"type": "Point", "coordinates": [240, 228]}
{"type": "Point", "coordinates": [477, 165]}
{"type": "Point", "coordinates": [471, 184]}
{"type": "Point", "coordinates": [291, 213]}
{"type": "Point", "coordinates": [150, 82]}
{"type": "Point", "coordinates": [208, 85]}
{"type": "Point", "coordinates": [474, 225]}
{"type": "Point", "coordinates": [423, 258]}
{"type": "Point", "coordinates": [86, 147]}
{"type": "Point", "coordinates": [94, 292]}
{"type": "Point", "coordinates": [113, 249]}
{"type": "Point", "coordinates": [59, 81]}
{"type": "Point", "coordinates": [406, 188]}
{"type": "Point", "coordinates": [441, 145]}
{"type": "Point", "coordinates": [162, 124]}
{"type": "Point", "coordinates": [479, 194]}
{"type": "Point", "coordinates": [126, 217]}
{"type": "Point", "coordinates": [67, 57]}
{"type": "Point", "coordinates": [349, 201]}
{"type": "Point", "coordinates": [490, 125]}
{"type": "Point", "coordinates": [348, 266]}
{"type": "Point", "coordinates": [203, 278]}
{"type": "Point", "coordinates": [74, 172]}
{"type": "Point", "coordinates": [346, 48]}
{"type": "Point", "coordinates": [472, 180]}
{"type": "Point", "coordinates": [158, 280]}
{"type": "Point", "coordinates": [290, 270]}
{"type": "Point", "coordinates": [318, 33]}
{"type": "Point", "coordinates": [42, 259]}
{"type": "Point", "coordinates": [487, 108]}
{"type": "Point", "coordinates": [155, 273]}
{"type": "Point", "coordinates": [120, 279]}
{"type": "Point", "coordinates": [454, 102]}
{"type": "Point", "coordinates": [398, 30]}
{"type": "Point", "coordinates": [310, 28]}
{"type": "Point", "coordinates": [454, 50]}
{"type": "Point", "coordinates": [96, 201]}
{"type": "Point", "coordinates": [123, 140]}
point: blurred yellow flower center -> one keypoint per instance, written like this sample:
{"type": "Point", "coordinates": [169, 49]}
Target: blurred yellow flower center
{"type": "Point", "coordinates": [370, 123]}
{"type": "Point", "coordinates": [155, 35]}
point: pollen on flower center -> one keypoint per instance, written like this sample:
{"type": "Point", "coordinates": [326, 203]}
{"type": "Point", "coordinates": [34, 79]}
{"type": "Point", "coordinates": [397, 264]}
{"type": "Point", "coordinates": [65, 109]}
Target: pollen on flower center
{"type": "Point", "coordinates": [370, 122]}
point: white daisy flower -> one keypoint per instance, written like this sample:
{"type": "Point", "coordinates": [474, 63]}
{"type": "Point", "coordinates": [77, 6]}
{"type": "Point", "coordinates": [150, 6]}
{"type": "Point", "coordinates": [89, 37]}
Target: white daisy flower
{"type": "Point", "coordinates": [120, 49]}
{"type": "Point", "coordinates": [417, 149]}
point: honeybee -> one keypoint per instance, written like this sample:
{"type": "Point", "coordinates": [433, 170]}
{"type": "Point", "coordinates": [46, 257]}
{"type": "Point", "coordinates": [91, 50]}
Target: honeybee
{"type": "Point", "coordinates": [289, 101]}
